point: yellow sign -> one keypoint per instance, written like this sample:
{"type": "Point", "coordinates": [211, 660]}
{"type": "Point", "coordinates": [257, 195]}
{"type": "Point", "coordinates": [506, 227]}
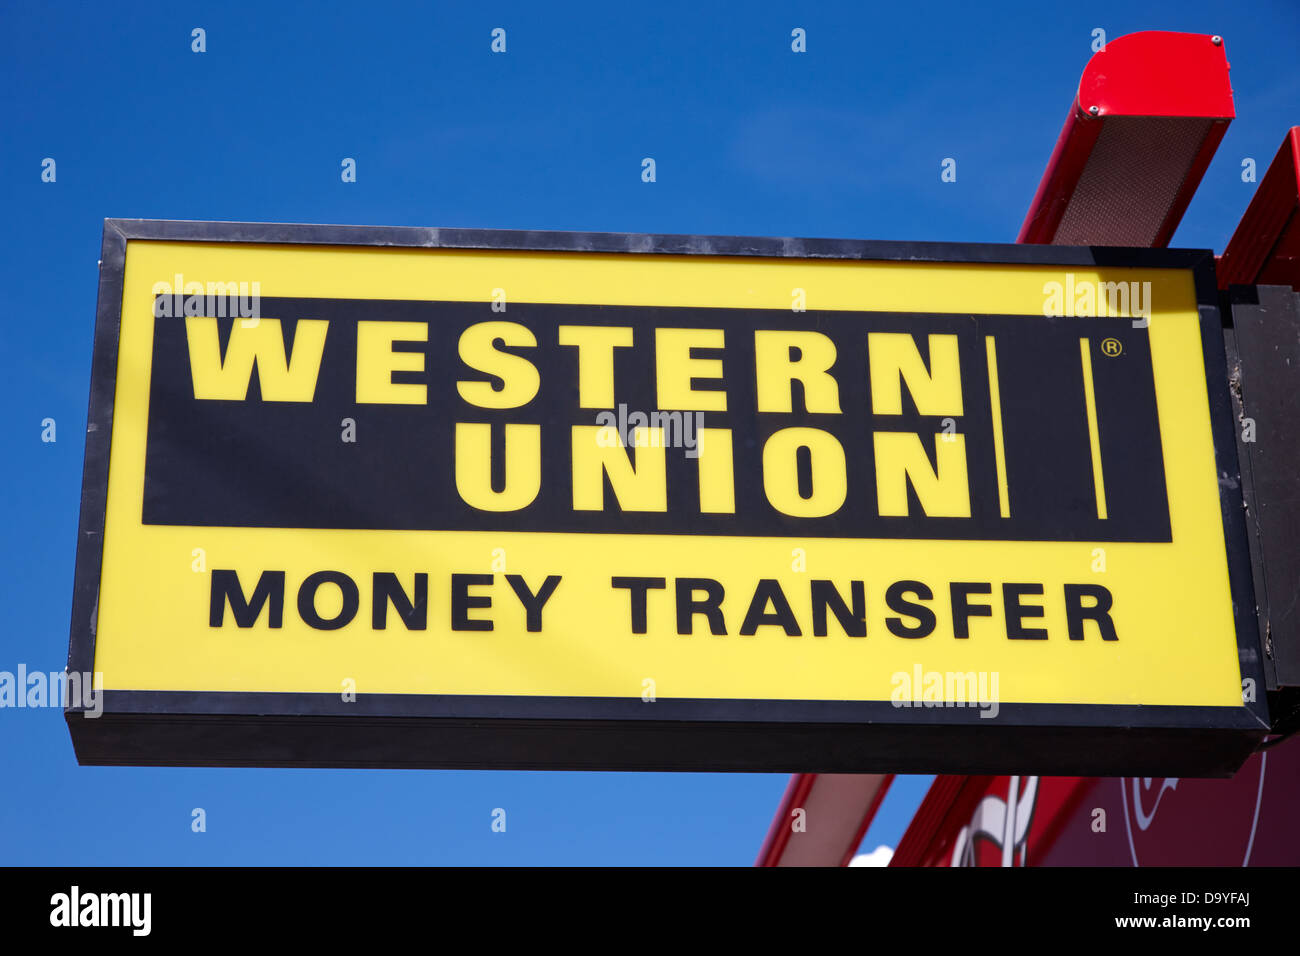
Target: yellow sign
{"type": "Point", "coordinates": [938, 489]}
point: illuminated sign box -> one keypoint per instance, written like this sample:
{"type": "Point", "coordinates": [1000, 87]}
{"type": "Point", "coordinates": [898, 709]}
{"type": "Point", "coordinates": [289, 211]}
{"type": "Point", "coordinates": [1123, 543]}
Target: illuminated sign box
{"type": "Point", "coordinates": [446, 498]}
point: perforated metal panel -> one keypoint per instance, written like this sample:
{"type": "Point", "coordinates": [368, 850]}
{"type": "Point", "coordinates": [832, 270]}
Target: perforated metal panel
{"type": "Point", "coordinates": [1131, 180]}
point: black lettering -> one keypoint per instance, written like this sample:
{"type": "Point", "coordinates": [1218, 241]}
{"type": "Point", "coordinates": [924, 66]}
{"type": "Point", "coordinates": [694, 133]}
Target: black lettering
{"type": "Point", "coordinates": [688, 606]}
{"type": "Point", "coordinates": [533, 603]}
{"type": "Point", "coordinates": [462, 602]}
{"type": "Point", "coordinates": [638, 587]}
{"type": "Point", "coordinates": [414, 613]}
{"type": "Point", "coordinates": [924, 616]}
{"type": "Point", "coordinates": [963, 610]}
{"type": "Point", "coordinates": [1076, 613]}
{"type": "Point", "coordinates": [307, 600]}
{"type": "Point", "coordinates": [1017, 612]}
{"type": "Point", "coordinates": [225, 586]}
{"type": "Point", "coordinates": [854, 621]}
{"type": "Point", "coordinates": [769, 592]}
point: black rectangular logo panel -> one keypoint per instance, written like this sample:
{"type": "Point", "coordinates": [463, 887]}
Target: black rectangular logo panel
{"type": "Point", "coordinates": [254, 463]}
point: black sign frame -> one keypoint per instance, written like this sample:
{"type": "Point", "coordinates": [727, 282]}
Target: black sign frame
{"type": "Point", "coordinates": [176, 728]}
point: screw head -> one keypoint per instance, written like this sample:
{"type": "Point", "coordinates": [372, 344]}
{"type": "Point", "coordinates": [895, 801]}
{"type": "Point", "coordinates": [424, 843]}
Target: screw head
{"type": "Point", "coordinates": [1094, 110]}
{"type": "Point", "coordinates": [1216, 40]}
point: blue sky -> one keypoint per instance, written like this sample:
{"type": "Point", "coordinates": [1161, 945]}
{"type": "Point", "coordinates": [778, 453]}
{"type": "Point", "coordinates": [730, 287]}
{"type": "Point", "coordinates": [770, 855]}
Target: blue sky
{"type": "Point", "coordinates": [748, 138]}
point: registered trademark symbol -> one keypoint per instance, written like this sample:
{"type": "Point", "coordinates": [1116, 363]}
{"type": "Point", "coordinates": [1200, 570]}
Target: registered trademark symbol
{"type": "Point", "coordinates": [1111, 347]}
